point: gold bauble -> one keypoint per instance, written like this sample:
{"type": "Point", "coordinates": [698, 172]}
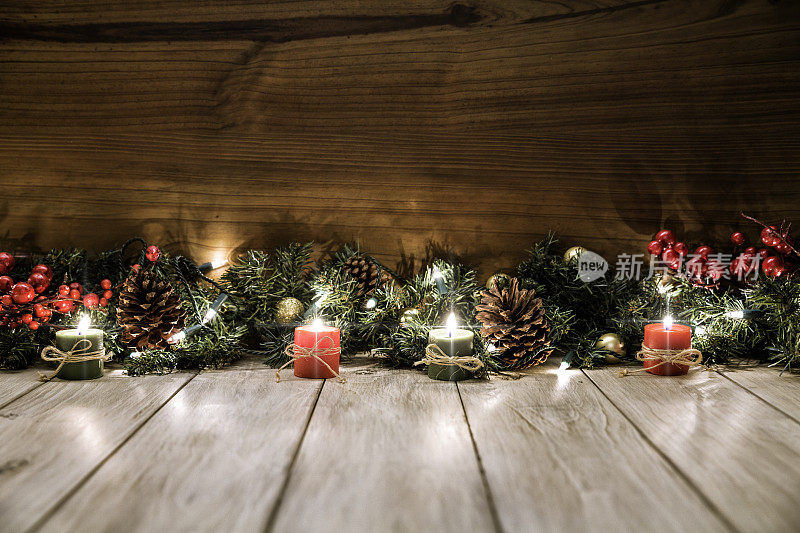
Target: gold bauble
{"type": "Point", "coordinates": [614, 344]}
{"type": "Point", "coordinates": [407, 314]}
{"type": "Point", "coordinates": [573, 253]}
{"type": "Point", "coordinates": [498, 280]}
{"type": "Point", "coordinates": [288, 310]}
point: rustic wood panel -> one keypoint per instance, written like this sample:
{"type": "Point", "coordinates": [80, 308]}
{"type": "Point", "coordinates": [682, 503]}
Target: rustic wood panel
{"type": "Point", "coordinates": [781, 391]}
{"type": "Point", "coordinates": [54, 436]}
{"type": "Point", "coordinates": [387, 451]}
{"type": "Point", "coordinates": [403, 125]}
{"type": "Point", "coordinates": [213, 459]}
{"type": "Point", "coordinates": [741, 452]}
{"type": "Point", "coordinates": [559, 457]}
{"type": "Point", "coordinates": [16, 384]}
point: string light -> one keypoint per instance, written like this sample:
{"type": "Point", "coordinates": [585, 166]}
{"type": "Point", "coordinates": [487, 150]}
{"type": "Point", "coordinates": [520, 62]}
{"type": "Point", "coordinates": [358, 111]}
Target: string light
{"type": "Point", "coordinates": [210, 315]}
{"type": "Point", "coordinates": [438, 277]}
{"type": "Point", "coordinates": [213, 311]}
{"type": "Point", "coordinates": [371, 303]}
{"type": "Point", "coordinates": [214, 264]}
{"type": "Point", "coordinates": [739, 313]}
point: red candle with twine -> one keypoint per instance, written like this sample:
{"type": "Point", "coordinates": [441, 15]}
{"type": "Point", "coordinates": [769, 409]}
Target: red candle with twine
{"type": "Point", "coordinates": [666, 336]}
{"type": "Point", "coordinates": [318, 340]}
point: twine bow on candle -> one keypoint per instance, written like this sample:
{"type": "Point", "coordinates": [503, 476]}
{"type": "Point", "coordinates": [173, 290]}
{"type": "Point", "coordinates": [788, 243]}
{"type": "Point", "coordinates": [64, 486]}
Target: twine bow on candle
{"type": "Point", "coordinates": [78, 354]}
{"type": "Point", "coordinates": [435, 356]}
{"type": "Point", "coordinates": [688, 357]}
{"type": "Point", "coordinates": [296, 352]}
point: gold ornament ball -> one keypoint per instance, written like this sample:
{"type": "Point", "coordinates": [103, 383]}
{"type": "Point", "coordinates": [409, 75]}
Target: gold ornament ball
{"type": "Point", "coordinates": [498, 280]}
{"type": "Point", "coordinates": [408, 314]}
{"type": "Point", "coordinates": [612, 343]}
{"type": "Point", "coordinates": [573, 253]}
{"type": "Point", "coordinates": [288, 310]}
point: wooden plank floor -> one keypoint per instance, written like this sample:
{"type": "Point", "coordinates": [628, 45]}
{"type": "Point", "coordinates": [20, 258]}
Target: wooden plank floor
{"type": "Point", "coordinates": [390, 450]}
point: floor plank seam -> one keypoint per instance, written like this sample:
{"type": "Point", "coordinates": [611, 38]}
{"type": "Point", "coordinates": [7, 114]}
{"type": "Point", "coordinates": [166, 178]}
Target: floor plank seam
{"type": "Point", "coordinates": [20, 395]}
{"type": "Point", "coordinates": [273, 513]}
{"type": "Point", "coordinates": [498, 525]}
{"type": "Point", "coordinates": [781, 411]}
{"type": "Point", "coordinates": [81, 482]}
{"type": "Point", "coordinates": [700, 494]}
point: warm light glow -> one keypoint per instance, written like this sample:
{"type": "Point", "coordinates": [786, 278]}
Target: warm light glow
{"type": "Point", "coordinates": [451, 324]}
{"type": "Point", "coordinates": [563, 366]}
{"type": "Point", "coordinates": [219, 262]}
{"type": "Point", "coordinates": [371, 303]}
{"type": "Point", "coordinates": [211, 314]}
{"type": "Point", "coordinates": [136, 355]}
{"type": "Point", "coordinates": [84, 324]}
{"type": "Point", "coordinates": [700, 331]}
{"type": "Point", "coordinates": [178, 337]}
{"type": "Point", "coordinates": [735, 314]}
{"type": "Point", "coordinates": [437, 274]}
{"type": "Point", "coordinates": [668, 321]}
{"type": "Point", "coordinates": [318, 324]}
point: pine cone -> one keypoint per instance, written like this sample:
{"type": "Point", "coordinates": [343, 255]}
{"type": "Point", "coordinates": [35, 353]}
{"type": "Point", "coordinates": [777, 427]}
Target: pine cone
{"type": "Point", "coordinates": [364, 271]}
{"type": "Point", "coordinates": [149, 311]}
{"type": "Point", "coordinates": [513, 320]}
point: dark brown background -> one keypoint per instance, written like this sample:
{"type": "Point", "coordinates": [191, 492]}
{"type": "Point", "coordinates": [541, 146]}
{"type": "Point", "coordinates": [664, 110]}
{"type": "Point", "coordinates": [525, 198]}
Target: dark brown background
{"type": "Point", "coordinates": [478, 126]}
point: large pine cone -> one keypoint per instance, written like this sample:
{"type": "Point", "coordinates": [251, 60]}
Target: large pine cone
{"type": "Point", "coordinates": [364, 272]}
{"type": "Point", "coordinates": [513, 320]}
{"type": "Point", "coordinates": [149, 311]}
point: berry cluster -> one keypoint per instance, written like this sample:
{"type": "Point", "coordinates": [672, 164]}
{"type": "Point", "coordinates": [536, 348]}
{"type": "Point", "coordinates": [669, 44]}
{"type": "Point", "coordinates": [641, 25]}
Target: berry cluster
{"type": "Point", "coordinates": [28, 302]}
{"type": "Point", "coordinates": [706, 268]}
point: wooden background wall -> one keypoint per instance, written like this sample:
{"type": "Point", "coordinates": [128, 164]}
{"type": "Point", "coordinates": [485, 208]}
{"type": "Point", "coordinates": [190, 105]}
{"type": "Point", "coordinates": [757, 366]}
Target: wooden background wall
{"type": "Point", "coordinates": [403, 124]}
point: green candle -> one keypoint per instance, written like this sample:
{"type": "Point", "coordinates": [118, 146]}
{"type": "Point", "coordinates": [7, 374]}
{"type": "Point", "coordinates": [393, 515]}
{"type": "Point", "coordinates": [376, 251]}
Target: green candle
{"type": "Point", "coordinates": [66, 341]}
{"type": "Point", "coordinates": [455, 343]}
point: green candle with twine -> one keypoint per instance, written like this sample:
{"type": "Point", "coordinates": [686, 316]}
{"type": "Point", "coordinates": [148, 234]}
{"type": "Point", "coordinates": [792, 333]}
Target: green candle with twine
{"type": "Point", "coordinates": [83, 342]}
{"type": "Point", "coordinates": [444, 346]}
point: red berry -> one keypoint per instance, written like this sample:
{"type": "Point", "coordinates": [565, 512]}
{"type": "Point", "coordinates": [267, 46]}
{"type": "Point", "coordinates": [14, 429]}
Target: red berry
{"type": "Point", "coordinates": [763, 252]}
{"type": "Point", "coordinates": [704, 251]}
{"type": "Point", "coordinates": [64, 306]}
{"type": "Point", "coordinates": [22, 293]}
{"type": "Point", "coordinates": [91, 300]}
{"type": "Point", "coordinates": [75, 294]}
{"type": "Point", "coordinates": [152, 253]}
{"type": "Point", "coordinates": [751, 250]}
{"type": "Point", "coordinates": [6, 300]}
{"type": "Point", "coordinates": [105, 284]}
{"type": "Point", "coordinates": [107, 295]}
{"type": "Point", "coordinates": [672, 258]}
{"type": "Point", "coordinates": [779, 271]}
{"type": "Point", "coordinates": [44, 270]}
{"type": "Point", "coordinates": [680, 247]}
{"type": "Point", "coordinates": [6, 283]}
{"type": "Point", "coordinates": [770, 264]}
{"type": "Point", "coordinates": [77, 286]}
{"type": "Point", "coordinates": [27, 318]}
{"type": "Point", "coordinates": [103, 302]}
{"type": "Point", "coordinates": [63, 290]}
{"type": "Point", "coordinates": [665, 236]}
{"type": "Point", "coordinates": [783, 247]}
{"type": "Point", "coordinates": [33, 325]}
{"type": "Point", "coordinates": [37, 278]}
{"type": "Point", "coordinates": [737, 238]}
{"type": "Point", "coordinates": [769, 236]}
{"type": "Point", "coordinates": [6, 262]}
{"type": "Point", "coordinates": [40, 288]}
{"type": "Point", "coordinates": [654, 248]}
{"type": "Point", "coordinates": [38, 310]}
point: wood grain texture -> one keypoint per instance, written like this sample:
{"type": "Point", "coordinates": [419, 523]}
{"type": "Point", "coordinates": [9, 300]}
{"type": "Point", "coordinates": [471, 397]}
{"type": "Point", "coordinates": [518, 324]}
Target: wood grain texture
{"type": "Point", "coordinates": [407, 126]}
{"type": "Point", "coordinates": [387, 451]}
{"type": "Point", "coordinates": [54, 436]}
{"type": "Point", "coordinates": [17, 383]}
{"type": "Point", "coordinates": [780, 391]}
{"type": "Point", "coordinates": [214, 459]}
{"type": "Point", "coordinates": [559, 457]}
{"type": "Point", "coordinates": [742, 453]}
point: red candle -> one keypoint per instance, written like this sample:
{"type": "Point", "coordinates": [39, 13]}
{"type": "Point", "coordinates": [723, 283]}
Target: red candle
{"type": "Point", "coordinates": [666, 336]}
{"type": "Point", "coordinates": [322, 341]}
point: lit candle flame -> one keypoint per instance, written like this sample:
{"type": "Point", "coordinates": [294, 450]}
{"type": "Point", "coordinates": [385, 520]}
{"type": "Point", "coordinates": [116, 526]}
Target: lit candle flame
{"type": "Point", "coordinates": [451, 324]}
{"type": "Point", "coordinates": [83, 324]}
{"type": "Point", "coordinates": [318, 324]}
{"type": "Point", "coordinates": [668, 322]}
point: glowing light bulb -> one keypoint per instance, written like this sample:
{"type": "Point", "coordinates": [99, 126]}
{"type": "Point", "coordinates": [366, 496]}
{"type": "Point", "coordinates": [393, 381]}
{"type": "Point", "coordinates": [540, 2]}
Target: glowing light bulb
{"type": "Point", "coordinates": [83, 324]}
{"type": "Point", "coordinates": [437, 274]}
{"type": "Point", "coordinates": [563, 366]}
{"type": "Point", "coordinates": [668, 321]}
{"type": "Point", "coordinates": [219, 262]}
{"type": "Point", "coordinates": [211, 314]}
{"type": "Point", "coordinates": [178, 337]}
{"type": "Point", "coordinates": [371, 303]}
{"type": "Point", "coordinates": [136, 355]}
{"type": "Point", "coordinates": [318, 324]}
{"type": "Point", "coordinates": [735, 314]}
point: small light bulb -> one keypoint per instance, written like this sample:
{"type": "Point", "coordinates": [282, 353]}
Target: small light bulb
{"type": "Point", "coordinates": [437, 274]}
{"type": "Point", "coordinates": [218, 263]}
{"type": "Point", "coordinates": [211, 314]}
{"type": "Point", "coordinates": [735, 314]}
{"type": "Point", "coordinates": [136, 355]}
{"type": "Point", "coordinates": [178, 337]}
{"type": "Point", "coordinates": [371, 303]}
{"type": "Point", "coordinates": [668, 322]}
{"type": "Point", "coordinates": [563, 366]}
